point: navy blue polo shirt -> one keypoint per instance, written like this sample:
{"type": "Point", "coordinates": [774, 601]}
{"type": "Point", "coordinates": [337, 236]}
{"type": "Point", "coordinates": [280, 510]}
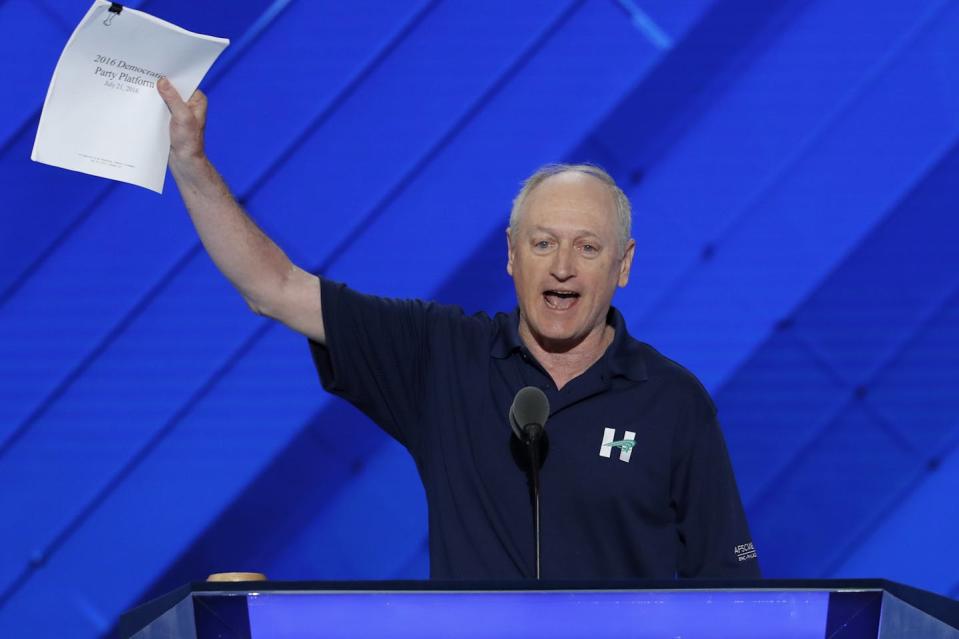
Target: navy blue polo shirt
{"type": "Point", "coordinates": [637, 482]}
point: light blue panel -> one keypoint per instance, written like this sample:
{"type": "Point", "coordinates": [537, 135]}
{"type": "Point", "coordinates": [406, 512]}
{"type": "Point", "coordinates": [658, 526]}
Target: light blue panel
{"type": "Point", "coordinates": [914, 543]}
{"type": "Point", "coordinates": [752, 127]}
{"type": "Point", "coordinates": [296, 70]}
{"type": "Point", "coordinates": [837, 188]}
{"type": "Point", "coordinates": [917, 390]}
{"type": "Point", "coordinates": [372, 529]}
{"type": "Point", "coordinates": [380, 133]}
{"type": "Point", "coordinates": [201, 459]}
{"type": "Point", "coordinates": [829, 496]}
{"type": "Point", "coordinates": [40, 203]}
{"type": "Point", "coordinates": [673, 19]}
{"type": "Point", "coordinates": [87, 435]}
{"type": "Point", "coordinates": [299, 482]}
{"type": "Point", "coordinates": [542, 615]}
{"type": "Point", "coordinates": [905, 269]}
{"type": "Point", "coordinates": [772, 407]}
{"type": "Point", "coordinates": [80, 294]}
{"type": "Point", "coordinates": [30, 44]}
{"type": "Point", "coordinates": [464, 193]}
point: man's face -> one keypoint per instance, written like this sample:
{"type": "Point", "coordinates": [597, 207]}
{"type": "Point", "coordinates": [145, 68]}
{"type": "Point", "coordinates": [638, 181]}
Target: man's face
{"type": "Point", "coordinates": [566, 261]}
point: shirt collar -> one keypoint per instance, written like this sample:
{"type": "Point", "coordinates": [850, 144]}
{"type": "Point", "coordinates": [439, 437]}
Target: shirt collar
{"type": "Point", "coordinates": [624, 356]}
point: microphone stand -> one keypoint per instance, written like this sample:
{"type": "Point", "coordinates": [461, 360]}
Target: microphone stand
{"type": "Point", "coordinates": [535, 431]}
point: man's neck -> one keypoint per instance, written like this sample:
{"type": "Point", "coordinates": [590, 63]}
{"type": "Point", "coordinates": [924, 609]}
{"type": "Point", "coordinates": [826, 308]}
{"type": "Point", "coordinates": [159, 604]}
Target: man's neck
{"type": "Point", "coordinates": [563, 364]}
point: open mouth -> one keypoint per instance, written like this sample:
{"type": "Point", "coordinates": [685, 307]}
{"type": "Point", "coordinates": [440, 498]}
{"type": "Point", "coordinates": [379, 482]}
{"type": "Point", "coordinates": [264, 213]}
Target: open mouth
{"type": "Point", "coordinates": [560, 300]}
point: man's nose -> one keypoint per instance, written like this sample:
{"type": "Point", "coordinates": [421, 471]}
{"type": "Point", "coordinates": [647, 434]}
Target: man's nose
{"type": "Point", "coordinates": [564, 263]}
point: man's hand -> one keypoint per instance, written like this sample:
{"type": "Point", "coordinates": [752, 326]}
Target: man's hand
{"type": "Point", "coordinates": [187, 120]}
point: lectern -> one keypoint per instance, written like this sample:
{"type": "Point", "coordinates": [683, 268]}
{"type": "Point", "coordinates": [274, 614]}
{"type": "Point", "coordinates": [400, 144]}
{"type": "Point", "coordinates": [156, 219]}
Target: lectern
{"type": "Point", "coordinates": [848, 609]}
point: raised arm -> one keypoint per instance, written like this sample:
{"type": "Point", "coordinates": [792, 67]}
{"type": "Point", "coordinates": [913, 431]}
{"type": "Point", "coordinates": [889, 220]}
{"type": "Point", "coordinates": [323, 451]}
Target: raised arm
{"type": "Point", "coordinates": [269, 282]}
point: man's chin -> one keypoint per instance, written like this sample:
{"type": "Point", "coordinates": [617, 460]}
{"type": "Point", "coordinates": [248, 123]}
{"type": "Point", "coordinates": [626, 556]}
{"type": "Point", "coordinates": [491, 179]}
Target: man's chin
{"type": "Point", "coordinates": [557, 341]}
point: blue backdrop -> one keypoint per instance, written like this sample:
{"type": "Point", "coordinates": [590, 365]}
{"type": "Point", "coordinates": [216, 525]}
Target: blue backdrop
{"type": "Point", "coordinates": [793, 169]}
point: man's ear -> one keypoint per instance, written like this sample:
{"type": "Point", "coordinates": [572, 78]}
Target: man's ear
{"type": "Point", "coordinates": [509, 253]}
{"type": "Point", "coordinates": [627, 262]}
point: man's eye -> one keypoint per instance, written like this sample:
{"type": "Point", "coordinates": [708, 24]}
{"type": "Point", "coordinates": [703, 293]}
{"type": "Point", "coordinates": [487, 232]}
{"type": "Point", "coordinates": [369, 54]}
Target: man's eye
{"type": "Point", "coordinates": [590, 249]}
{"type": "Point", "coordinates": [542, 244]}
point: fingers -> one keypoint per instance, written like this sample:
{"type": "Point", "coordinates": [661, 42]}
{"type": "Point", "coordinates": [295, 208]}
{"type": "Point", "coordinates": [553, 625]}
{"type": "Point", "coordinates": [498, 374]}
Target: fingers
{"type": "Point", "coordinates": [169, 94]}
{"type": "Point", "coordinates": [180, 110]}
{"type": "Point", "coordinates": [186, 121]}
{"type": "Point", "coordinates": [197, 105]}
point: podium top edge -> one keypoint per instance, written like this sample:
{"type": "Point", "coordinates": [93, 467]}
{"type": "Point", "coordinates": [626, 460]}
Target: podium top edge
{"type": "Point", "coordinates": [533, 585]}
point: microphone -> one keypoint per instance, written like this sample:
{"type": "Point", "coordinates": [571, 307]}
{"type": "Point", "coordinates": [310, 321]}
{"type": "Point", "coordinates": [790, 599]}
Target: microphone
{"type": "Point", "coordinates": [528, 414]}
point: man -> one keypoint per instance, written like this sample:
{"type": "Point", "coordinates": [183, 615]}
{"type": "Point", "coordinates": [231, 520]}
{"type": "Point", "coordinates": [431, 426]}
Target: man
{"type": "Point", "coordinates": [637, 481]}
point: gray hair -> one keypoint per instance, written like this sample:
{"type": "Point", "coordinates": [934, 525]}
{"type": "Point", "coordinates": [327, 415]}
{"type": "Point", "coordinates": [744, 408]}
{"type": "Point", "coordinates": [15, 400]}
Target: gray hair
{"type": "Point", "coordinates": [623, 209]}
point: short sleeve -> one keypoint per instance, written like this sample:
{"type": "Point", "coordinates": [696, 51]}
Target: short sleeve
{"type": "Point", "coordinates": [375, 356]}
{"type": "Point", "coordinates": [713, 533]}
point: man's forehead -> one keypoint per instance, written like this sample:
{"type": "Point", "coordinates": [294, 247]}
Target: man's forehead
{"type": "Point", "coordinates": [573, 178]}
{"type": "Point", "coordinates": [571, 194]}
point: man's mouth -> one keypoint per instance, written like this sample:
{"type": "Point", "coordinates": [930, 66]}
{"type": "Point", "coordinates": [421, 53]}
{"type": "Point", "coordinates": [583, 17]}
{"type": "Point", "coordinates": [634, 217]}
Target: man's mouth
{"type": "Point", "coordinates": [559, 299]}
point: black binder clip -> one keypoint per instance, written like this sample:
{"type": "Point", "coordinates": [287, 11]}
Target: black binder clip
{"type": "Point", "coordinates": [114, 10]}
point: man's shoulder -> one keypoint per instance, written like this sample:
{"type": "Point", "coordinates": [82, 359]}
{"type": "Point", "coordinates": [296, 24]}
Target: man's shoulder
{"type": "Point", "coordinates": [342, 294]}
{"type": "Point", "coordinates": [671, 376]}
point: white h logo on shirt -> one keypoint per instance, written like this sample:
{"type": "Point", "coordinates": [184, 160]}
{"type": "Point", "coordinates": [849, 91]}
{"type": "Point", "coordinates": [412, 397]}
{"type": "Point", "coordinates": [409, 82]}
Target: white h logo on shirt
{"type": "Point", "coordinates": [625, 445]}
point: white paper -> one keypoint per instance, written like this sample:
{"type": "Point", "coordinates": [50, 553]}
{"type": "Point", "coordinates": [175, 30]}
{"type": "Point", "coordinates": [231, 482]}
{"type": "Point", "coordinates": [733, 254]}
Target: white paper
{"type": "Point", "coordinates": [103, 115]}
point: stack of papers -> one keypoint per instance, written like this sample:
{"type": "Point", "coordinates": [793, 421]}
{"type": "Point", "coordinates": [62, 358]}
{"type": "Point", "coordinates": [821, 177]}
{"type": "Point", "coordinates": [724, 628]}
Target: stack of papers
{"type": "Point", "coordinates": [102, 114]}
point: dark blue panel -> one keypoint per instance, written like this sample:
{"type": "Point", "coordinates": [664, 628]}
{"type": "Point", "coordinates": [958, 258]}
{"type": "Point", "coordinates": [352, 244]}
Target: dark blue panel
{"type": "Point", "coordinates": [715, 35]}
{"type": "Point", "coordinates": [194, 456]}
{"type": "Point", "coordinates": [69, 12]}
{"type": "Point", "coordinates": [372, 527]}
{"type": "Point", "coordinates": [776, 403]}
{"type": "Point", "coordinates": [798, 219]}
{"type": "Point", "coordinates": [41, 204]}
{"type": "Point", "coordinates": [829, 496]}
{"type": "Point", "coordinates": [914, 543]}
{"type": "Point", "coordinates": [300, 482]}
{"type": "Point", "coordinates": [89, 431]}
{"type": "Point", "coordinates": [220, 18]}
{"type": "Point", "coordinates": [883, 291]}
{"type": "Point", "coordinates": [917, 391]}
{"type": "Point", "coordinates": [78, 297]}
{"type": "Point", "coordinates": [30, 44]}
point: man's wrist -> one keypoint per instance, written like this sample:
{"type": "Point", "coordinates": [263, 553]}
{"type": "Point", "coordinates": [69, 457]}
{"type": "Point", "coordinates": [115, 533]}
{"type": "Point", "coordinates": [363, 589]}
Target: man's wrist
{"type": "Point", "coordinates": [193, 168]}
